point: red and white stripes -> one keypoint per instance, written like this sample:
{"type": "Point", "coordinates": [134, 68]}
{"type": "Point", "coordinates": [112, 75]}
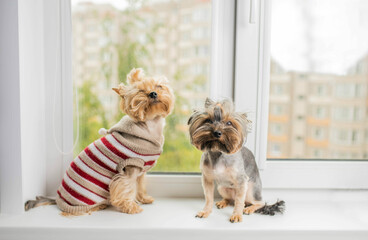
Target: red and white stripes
{"type": "Point", "coordinates": [87, 180]}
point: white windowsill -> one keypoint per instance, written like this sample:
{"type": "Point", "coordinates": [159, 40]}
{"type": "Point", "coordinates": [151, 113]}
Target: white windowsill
{"type": "Point", "coordinates": [327, 214]}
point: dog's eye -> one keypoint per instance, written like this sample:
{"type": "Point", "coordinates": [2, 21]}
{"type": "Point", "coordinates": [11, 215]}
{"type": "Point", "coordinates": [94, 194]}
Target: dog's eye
{"type": "Point", "coordinates": [159, 86]}
{"type": "Point", "coordinates": [208, 121]}
{"type": "Point", "coordinates": [229, 123]}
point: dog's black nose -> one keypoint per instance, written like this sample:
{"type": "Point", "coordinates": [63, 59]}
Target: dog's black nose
{"type": "Point", "coordinates": [153, 95]}
{"type": "Point", "coordinates": [217, 134]}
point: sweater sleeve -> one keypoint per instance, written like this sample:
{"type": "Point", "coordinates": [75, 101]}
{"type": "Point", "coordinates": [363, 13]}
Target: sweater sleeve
{"type": "Point", "coordinates": [137, 162]}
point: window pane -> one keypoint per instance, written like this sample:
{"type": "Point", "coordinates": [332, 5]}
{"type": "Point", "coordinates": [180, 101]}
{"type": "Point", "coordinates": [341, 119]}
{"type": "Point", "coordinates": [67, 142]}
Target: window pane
{"type": "Point", "coordinates": [319, 80]}
{"type": "Point", "coordinates": [170, 38]}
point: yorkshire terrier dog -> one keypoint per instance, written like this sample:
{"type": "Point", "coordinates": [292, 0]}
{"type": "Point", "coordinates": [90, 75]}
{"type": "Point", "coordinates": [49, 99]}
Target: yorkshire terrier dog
{"type": "Point", "coordinates": [220, 132]}
{"type": "Point", "coordinates": [111, 170]}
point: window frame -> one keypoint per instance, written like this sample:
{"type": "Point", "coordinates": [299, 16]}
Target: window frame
{"type": "Point", "coordinates": [240, 50]}
{"type": "Point", "coordinates": [229, 56]}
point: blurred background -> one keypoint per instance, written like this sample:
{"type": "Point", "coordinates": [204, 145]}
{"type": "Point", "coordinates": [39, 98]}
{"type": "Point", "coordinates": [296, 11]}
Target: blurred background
{"type": "Point", "coordinates": [171, 38]}
{"type": "Point", "coordinates": [319, 72]}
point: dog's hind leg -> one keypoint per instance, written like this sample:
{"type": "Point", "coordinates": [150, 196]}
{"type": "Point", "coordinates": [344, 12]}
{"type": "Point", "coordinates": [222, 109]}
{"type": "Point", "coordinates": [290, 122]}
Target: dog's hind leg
{"type": "Point", "coordinates": [123, 190]}
{"type": "Point", "coordinates": [142, 195]}
{"type": "Point", "coordinates": [254, 207]}
{"type": "Point", "coordinates": [253, 200]}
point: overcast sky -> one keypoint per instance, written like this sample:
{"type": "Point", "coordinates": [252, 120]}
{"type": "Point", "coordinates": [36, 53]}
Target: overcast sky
{"type": "Point", "coordinates": [327, 36]}
{"type": "Point", "coordinates": [319, 35]}
{"type": "Point", "coordinates": [119, 4]}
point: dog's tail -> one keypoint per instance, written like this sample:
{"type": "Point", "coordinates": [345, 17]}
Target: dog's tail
{"type": "Point", "coordinates": [278, 207]}
{"type": "Point", "coordinates": [40, 201]}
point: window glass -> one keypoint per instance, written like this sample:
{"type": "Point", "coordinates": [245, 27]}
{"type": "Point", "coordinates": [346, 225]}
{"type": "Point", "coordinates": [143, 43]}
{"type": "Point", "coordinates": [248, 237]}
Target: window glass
{"type": "Point", "coordinates": [319, 73]}
{"type": "Point", "coordinates": [170, 38]}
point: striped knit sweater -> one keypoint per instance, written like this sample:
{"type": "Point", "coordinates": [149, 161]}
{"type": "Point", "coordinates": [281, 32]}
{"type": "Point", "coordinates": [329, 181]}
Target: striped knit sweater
{"type": "Point", "coordinates": [86, 182]}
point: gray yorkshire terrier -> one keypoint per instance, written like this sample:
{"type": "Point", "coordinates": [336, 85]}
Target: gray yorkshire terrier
{"type": "Point", "coordinates": [220, 132]}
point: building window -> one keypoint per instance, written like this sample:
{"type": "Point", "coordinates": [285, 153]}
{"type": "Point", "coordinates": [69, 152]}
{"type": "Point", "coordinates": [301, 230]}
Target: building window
{"type": "Point", "coordinates": [299, 138]}
{"type": "Point", "coordinates": [278, 89]}
{"type": "Point", "coordinates": [320, 112]}
{"type": "Point", "coordinates": [317, 153]}
{"type": "Point", "coordinates": [202, 51]}
{"type": "Point", "coordinates": [276, 129]}
{"type": "Point", "coordinates": [357, 114]}
{"type": "Point", "coordinates": [201, 33]}
{"type": "Point", "coordinates": [277, 109]}
{"type": "Point", "coordinates": [354, 137]}
{"type": "Point", "coordinates": [186, 18]}
{"type": "Point", "coordinates": [201, 15]}
{"type": "Point", "coordinates": [275, 150]}
{"type": "Point", "coordinates": [185, 36]}
{"type": "Point", "coordinates": [318, 133]}
{"type": "Point", "coordinates": [321, 90]}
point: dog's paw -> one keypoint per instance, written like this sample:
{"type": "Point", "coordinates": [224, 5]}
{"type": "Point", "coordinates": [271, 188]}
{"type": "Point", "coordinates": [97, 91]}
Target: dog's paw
{"type": "Point", "coordinates": [222, 204]}
{"type": "Point", "coordinates": [130, 207]}
{"type": "Point", "coordinates": [202, 214]}
{"type": "Point", "coordinates": [146, 199]}
{"type": "Point", "coordinates": [236, 218]}
{"type": "Point", "coordinates": [249, 210]}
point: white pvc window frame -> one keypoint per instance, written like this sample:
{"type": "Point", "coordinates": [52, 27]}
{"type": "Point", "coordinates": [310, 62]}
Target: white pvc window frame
{"type": "Point", "coordinates": [239, 70]}
{"type": "Point", "coordinates": [240, 62]}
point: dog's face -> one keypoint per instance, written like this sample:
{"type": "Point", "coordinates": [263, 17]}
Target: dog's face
{"type": "Point", "coordinates": [218, 128]}
{"type": "Point", "coordinates": [145, 98]}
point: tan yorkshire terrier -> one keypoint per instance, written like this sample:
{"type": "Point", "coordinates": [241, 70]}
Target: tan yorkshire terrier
{"type": "Point", "coordinates": [220, 133]}
{"type": "Point", "coordinates": [111, 170]}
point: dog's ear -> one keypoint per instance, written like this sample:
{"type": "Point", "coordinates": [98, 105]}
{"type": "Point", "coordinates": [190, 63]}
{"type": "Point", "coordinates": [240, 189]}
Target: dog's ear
{"type": "Point", "coordinates": [135, 75]}
{"type": "Point", "coordinates": [163, 79]}
{"type": "Point", "coordinates": [228, 105]}
{"type": "Point", "coordinates": [120, 89]}
{"type": "Point", "coordinates": [190, 120]}
{"type": "Point", "coordinates": [209, 102]}
{"type": "Point", "coordinates": [245, 121]}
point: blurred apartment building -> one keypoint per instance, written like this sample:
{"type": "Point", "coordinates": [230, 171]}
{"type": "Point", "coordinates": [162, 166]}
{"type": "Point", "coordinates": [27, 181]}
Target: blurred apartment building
{"type": "Point", "coordinates": [181, 46]}
{"type": "Point", "coordinates": [319, 116]}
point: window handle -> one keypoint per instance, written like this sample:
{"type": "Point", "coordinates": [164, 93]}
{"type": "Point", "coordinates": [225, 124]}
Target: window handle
{"type": "Point", "coordinates": [252, 13]}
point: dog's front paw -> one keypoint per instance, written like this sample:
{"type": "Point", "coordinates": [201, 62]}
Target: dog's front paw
{"type": "Point", "coordinates": [146, 199]}
{"type": "Point", "coordinates": [249, 210]}
{"type": "Point", "coordinates": [130, 207]}
{"type": "Point", "coordinates": [202, 214]}
{"type": "Point", "coordinates": [236, 218]}
{"type": "Point", "coordinates": [222, 204]}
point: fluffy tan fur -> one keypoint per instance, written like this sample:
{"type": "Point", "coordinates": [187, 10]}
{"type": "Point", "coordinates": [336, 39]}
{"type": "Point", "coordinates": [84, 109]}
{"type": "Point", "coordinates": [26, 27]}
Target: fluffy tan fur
{"type": "Point", "coordinates": [144, 99]}
{"type": "Point", "coordinates": [123, 190]}
{"type": "Point", "coordinates": [128, 187]}
{"type": "Point", "coordinates": [201, 128]}
{"type": "Point", "coordinates": [135, 100]}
